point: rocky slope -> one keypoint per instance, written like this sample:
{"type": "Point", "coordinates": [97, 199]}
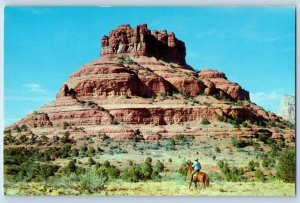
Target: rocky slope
{"type": "Point", "coordinates": [287, 108]}
{"type": "Point", "coordinates": [141, 83]}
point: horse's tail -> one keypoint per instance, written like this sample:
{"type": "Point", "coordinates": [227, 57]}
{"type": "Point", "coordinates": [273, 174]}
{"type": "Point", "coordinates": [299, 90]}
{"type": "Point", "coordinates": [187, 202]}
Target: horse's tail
{"type": "Point", "coordinates": [206, 180]}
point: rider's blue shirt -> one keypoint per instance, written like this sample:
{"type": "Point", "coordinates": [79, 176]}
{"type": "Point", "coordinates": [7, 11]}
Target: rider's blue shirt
{"type": "Point", "coordinates": [197, 166]}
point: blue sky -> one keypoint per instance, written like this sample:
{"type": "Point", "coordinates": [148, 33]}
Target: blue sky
{"type": "Point", "coordinates": [254, 46]}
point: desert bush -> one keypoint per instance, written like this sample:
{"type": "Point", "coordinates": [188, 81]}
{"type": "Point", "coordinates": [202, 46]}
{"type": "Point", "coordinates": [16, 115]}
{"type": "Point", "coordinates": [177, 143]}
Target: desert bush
{"type": "Point", "coordinates": [286, 170]}
{"type": "Point", "coordinates": [242, 143]}
{"type": "Point", "coordinates": [153, 146]}
{"type": "Point", "coordinates": [181, 138]}
{"type": "Point", "coordinates": [252, 165]}
{"type": "Point", "coordinates": [116, 150]}
{"type": "Point", "coordinates": [32, 171]}
{"type": "Point", "coordinates": [137, 136]}
{"type": "Point", "coordinates": [169, 144]}
{"type": "Point", "coordinates": [259, 175]}
{"type": "Point", "coordinates": [75, 152]}
{"type": "Point", "coordinates": [245, 124]}
{"type": "Point", "coordinates": [235, 122]}
{"type": "Point", "coordinates": [91, 161]}
{"type": "Point", "coordinates": [232, 174]}
{"type": "Point", "coordinates": [159, 166]}
{"type": "Point", "coordinates": [92, 181]}
{"type": "Point", "coordinates": [23, 138]}
{"type": "Point", "coordinates": [205, 121]}
{"type": "Point", "coordinates": [8, 138]}
{"type": "Point", "coordinates": [65, 125]}
{"type": "Point", "coordinates": [221, 118]}
{"type": "Point", "coordinates": [24, 127]}
{"type": "Point", "coordinates": [66, 151]}
{"type": "Point", "coordinates": [142, 172]}
{"type": "Point", "coordinates": [91, 151]}
{"type": "Point", "coordinates": [217, 149]}
{"type": "Point", "coordinates": [263, 137]}
{"type": "Point", "coordinates": [220, 163]}
{"type": "Point", "coordinates": [133, 174]}
{"type": "Point", "coordinates": [183, 168]}
{"type": "Point", "coordinates": [126, 60]}
{"type": "Point", "coordinates": [17, 129]}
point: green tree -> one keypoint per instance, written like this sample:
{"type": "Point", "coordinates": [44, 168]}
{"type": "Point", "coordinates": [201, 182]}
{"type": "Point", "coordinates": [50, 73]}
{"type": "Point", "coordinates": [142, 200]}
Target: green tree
{"type": "Point", "coordinates": [91, 161]}
{"type": "Point", "coordinates": [287, 166]}
{"type": "Point", "coordinates": [159, 166]}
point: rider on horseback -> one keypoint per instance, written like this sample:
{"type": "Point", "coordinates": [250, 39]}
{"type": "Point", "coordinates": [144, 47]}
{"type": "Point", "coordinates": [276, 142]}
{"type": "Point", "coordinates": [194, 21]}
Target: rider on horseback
{"type": "Point", "coordinates": [197, 167]}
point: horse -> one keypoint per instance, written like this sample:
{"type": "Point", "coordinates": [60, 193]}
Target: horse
{"type": "Point", "coordinates": [200, 177]}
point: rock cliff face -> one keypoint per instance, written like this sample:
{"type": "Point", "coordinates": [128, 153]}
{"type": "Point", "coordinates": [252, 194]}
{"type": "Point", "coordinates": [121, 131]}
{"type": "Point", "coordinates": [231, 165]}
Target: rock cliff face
{"type": "Point", "coordinates": [140, 41]}
{"type": "Point", "coordinates": [142, 81]}
{"type": "Point", "coordinates": [287, 108]}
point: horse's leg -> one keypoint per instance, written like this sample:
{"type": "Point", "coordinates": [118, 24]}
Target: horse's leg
{"type": "Point", "coordinates": [190, 185]}
{"type": "Point", "coordinates": [203, 184]}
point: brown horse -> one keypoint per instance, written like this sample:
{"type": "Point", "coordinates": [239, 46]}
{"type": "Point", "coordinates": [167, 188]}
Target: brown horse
{"type": "Point", "coordinates": [200, 177]}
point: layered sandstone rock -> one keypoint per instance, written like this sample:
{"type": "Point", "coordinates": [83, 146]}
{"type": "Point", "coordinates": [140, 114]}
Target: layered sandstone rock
{"type": "Point", "coordinates": [226, 87]}
{"type": "Point", "coordinates": [142, 82]}
{"type": "Point", "coordinates": [140, 41]}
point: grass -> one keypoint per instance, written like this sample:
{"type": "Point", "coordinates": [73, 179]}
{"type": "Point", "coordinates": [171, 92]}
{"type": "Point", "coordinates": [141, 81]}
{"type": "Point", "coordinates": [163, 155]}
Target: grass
{"type": "Point", "coordinates": [165, 188]}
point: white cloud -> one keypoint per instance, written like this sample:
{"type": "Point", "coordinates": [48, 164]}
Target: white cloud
{"type": "Point", "coordinates": [266, 96]}
{"type": "Point", "coordinates": [33, 87]}
{"type": "Point", "coordinates": [268, 100]}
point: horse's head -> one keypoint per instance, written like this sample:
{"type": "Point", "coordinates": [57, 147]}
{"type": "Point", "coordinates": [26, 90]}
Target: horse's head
{"type": "Point", "coordinates": [189, 168]}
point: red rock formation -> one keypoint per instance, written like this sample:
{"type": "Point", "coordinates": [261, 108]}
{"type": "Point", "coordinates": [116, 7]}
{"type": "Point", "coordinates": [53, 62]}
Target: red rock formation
{"type": "Point", "coordinates": [129, 85]}
{"type": "Point", "coordinates": [140, 41]}
{"type": "Point", "coordinates": [225, 87]}
{"type": "Point", "coordinates": [36, 119]}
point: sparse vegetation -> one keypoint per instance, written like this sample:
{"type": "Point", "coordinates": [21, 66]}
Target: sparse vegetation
{"type": "Point", "coordinates": [126, 60]}
{"type": "Point", "coordinates": [205, 121]}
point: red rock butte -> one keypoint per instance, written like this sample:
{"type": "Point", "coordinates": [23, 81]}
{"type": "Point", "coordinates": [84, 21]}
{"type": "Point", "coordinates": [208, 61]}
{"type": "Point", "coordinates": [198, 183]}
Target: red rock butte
{"type": "Point", "coordinates": [142, 82]}
{"type": "Point", "coordinates": [140, 41]}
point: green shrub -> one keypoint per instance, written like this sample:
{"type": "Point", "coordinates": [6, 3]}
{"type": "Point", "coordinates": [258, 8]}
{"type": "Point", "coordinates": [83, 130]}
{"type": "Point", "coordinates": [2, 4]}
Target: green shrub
{"type": "Point", "coordinates": [241, 143]}
{"type": "Point", "coordinates": [159, 166]}
{"type": "Point", "coordinates": [263, 137]}
{"type": "Point", "coordinates": [66, 138]}
{"type": "Point", "coordinates": [252, 164]}
{"type": "Point", "coordinates": [181, 138]}
{"type": "Point", "coordinates": [232, 174]}
{"type": "Point", "coordinates": [220, 163]}
{"type": "Point", "coordinates": [126, 60]}
{"type": "Point", "coordinates": [259, 175]}
{"type": "Point", "coordinates": [183, 168]}
{"type": "Point", "coordinates": [91, 151]}
{"type": "Point", "coordinates": [17, 129]}
{"type": "Point", "coordinates": [170, 144]}
{"type": "Point", "coordinates": [142, 172]}
{"type": "Point", "coordinates": [71, 167]}
{"type": "Point", "coordinates": [31, 171]}
{"type": "Point", "coordinates": [91, 161]}
{"type": "Point", "coordinates": [287, 166]}
{"type": "Point", "coordinates": [66, 151]}
{"type": "Point", "coordinates": [205, 121]}
{"type": "Point", "coordinates": [24, 128]}
{"type": "Point", "coordinates": [133, 174]}
{"type": "Point", "coordinates": [92, 181]}
{"type": "Point", "coordinates": [65, 125]}
{"type": "Point", "coordinates": [217, 149]}
{"type": "Point", "coordinates": [75, 152]}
